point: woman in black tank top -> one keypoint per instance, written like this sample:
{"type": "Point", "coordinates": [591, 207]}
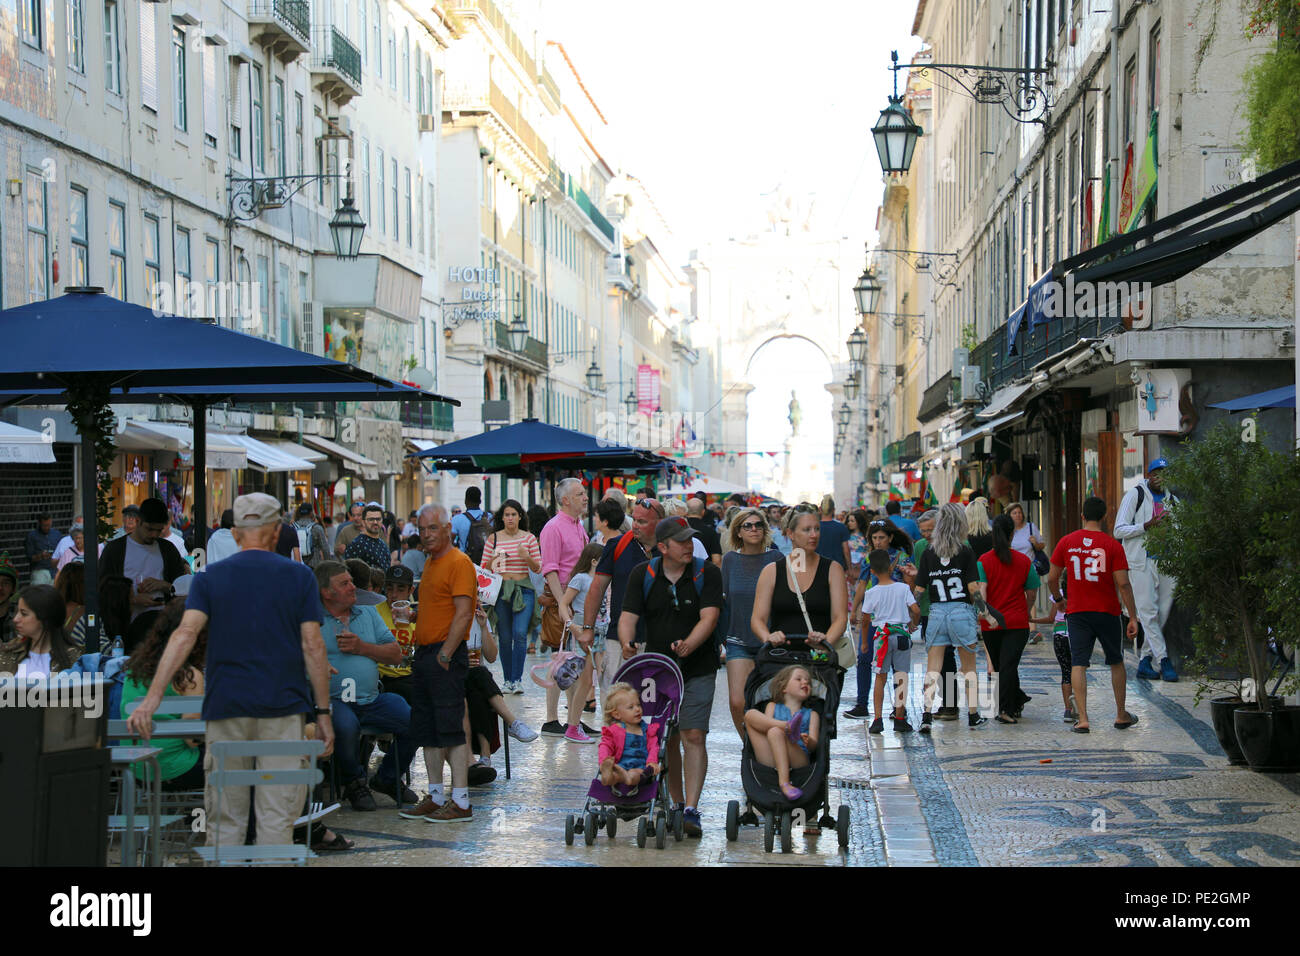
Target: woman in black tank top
{"type": "Point", "coordinates": [776, 605]}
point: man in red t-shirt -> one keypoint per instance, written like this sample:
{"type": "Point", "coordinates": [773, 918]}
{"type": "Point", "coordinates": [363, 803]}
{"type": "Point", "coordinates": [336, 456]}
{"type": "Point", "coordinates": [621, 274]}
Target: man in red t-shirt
{"type": "Point", "coordinates": [1097, 568]}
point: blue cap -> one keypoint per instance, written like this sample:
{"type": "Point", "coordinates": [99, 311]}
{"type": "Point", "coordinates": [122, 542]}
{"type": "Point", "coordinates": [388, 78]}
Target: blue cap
{"type": "Point", "coordinates": [1157, 464]}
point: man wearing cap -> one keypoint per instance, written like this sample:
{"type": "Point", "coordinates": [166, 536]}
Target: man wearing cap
{"type": "Point", "coordinates": [357, 642]}
{"type": "Point", "coordinates": [1153, 592]}
{"type": "Point", "coordinates": [130, 518]}
{"type": "Point", "coordinates": [399, 582]}
{"type": "Point", "coordinates": [266, 668]}
{"type": "Point", "coordinates": [149, 560]}
{"type": "Point", "coordinates": [681, 608]}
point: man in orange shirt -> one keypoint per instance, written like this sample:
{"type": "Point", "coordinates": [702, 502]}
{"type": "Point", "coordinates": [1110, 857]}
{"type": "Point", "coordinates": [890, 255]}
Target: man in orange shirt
{"type": "Point", "coordinates": [448, 595]}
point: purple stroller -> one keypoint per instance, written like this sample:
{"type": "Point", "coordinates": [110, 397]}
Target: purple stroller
{"type": "Point", "coordinates": [659, 681]}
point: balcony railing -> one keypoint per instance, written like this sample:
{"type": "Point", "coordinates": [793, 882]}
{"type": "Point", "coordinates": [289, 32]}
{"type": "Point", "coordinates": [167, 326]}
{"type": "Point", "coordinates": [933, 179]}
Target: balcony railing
{"type": "Point", "coordinates": [534, 349]}
{"type": "Point", "coordinates": [1034, 346]}
{"type": "Point", "coordinates": [294, 15]}
{"type": "Point", "coordinates": [335, 51]}
{"type": "Point", "coordinates": [566, 184]}
{"type": "Point", "coordinates": [435, 415]}
{"type": "Point", "coordinates": [493, 15]}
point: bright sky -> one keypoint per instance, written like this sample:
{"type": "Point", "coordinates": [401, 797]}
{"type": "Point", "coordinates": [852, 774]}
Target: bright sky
{"type": "Point", "coordinates": [713, 103]}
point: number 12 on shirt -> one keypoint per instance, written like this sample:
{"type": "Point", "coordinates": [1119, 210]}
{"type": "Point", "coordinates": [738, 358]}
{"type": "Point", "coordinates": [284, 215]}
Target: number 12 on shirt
{"type": "Point", "coordinates": [1090, 568]}
{"type": "Point", "coordinates": [955, 591]}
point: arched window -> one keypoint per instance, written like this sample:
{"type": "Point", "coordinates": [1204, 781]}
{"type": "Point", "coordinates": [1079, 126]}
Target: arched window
{"type": "Point", "coordinates": [504, 390]}
{"type": "Point", "coordinates": [487, 387]}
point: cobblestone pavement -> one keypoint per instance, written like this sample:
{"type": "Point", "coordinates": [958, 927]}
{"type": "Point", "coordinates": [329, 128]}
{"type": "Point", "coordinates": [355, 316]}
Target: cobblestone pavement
{"type": "Point", "coordinates": [1035, 794]}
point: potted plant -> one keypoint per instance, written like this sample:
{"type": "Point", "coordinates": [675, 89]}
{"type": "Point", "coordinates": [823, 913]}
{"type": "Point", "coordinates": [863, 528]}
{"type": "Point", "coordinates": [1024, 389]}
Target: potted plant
{"type": "Point", "coordinates": [1234, 550]}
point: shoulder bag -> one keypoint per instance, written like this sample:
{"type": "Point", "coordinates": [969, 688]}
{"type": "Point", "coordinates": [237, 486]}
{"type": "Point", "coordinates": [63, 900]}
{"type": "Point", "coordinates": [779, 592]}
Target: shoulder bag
{"type": "Point", "coordinates": [1041, 564]}
{"type": "Point", "coordinates": [846, 654]}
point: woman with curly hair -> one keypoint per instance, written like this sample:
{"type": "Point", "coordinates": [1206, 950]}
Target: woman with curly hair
{"type": "Point", "coordinates": [181, 761]}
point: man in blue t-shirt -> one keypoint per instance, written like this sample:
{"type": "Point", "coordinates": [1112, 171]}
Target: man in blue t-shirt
{"type": "Point", "coordinates": [834, 540]}
{"type": "Point", "coordinates": [463, 522]}
{"type": "Point", "coordinates": [263, 615]}
{"type": "Point", "coordinates": [622, 554]}
{"type": "Point", "coordinates": [357, 642]}
{"type": "Point", "coordinates": [894, 512]}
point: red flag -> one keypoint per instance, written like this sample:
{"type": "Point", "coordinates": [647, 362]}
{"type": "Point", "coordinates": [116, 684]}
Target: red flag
{"type": "Point", "coordinates": [1085, 227]}
{"type": "Point", "coordinates": [1126, 191]}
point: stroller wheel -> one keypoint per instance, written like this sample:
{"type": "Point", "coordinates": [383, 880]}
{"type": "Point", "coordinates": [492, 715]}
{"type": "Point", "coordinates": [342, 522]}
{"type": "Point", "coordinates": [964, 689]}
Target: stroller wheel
{"type": "Point", "coordinates": [611, 824]}
{"type": "Point", "coordinates": [679, 825]}
{"type": "Point", "coordinates": [787, 833]}
{"type": "Point", "coordinates": [569, 830]}
{"type": "Point", "coordinates": [661, 833]}
{"type": "Point", "coordinates": [769, 832]}
{"type": "Point", "coordinates": [733, 820]}
{"type": "Point", "coordinates": [589, 828]}
{"type": "Point", "coordinates": [842, 826]}
{"type": "Point", "coordinates": [641, 832]}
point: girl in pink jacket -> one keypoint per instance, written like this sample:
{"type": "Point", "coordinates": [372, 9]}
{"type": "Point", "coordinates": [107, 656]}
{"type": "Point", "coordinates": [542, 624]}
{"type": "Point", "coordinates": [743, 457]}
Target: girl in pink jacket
{"type": "Point", "coordinates": [629, 746]}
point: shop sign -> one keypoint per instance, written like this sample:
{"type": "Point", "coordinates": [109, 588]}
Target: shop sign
{"type": "Point", "coordinates": [478, 285]}
{"type": "Point", "coordinates": [1159, 394]}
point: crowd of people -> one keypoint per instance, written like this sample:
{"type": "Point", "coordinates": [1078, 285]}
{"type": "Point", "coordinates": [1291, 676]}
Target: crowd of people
{"type": "Point", "coordinates": [366, 630]}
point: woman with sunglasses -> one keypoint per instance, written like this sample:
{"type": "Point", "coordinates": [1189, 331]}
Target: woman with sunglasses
{"type": "Point", "coordinates": [778, 610]}
{"type": "Point", "coordinates": [748, 552]}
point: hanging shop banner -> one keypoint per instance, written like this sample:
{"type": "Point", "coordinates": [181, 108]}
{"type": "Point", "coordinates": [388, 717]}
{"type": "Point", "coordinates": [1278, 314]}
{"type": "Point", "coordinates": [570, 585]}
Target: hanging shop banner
{"type": "Point", "coordinates": [898, 486]}
{"type": "Point", "coordinates": [1159, 394]}
{"type": "Point", "coordinates": [647, 389]}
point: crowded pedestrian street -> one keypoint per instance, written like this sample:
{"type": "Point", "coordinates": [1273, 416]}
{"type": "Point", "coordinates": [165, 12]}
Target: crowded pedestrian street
{"type": "Point", "coordinates": [461, 434]}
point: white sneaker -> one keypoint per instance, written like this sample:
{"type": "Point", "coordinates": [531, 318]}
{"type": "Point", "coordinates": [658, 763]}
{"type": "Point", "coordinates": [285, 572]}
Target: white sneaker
{"type": "Point", "coordinates": [522, 732]}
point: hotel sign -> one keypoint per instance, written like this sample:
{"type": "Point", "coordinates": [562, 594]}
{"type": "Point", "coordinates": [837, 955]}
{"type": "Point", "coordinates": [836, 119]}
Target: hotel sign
{"type": "Point", "coordinates": [478, 293]}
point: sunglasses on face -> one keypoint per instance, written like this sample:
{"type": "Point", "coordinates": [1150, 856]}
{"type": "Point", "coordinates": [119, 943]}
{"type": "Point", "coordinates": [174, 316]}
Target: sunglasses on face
{"type": "Point", "coordinates": [751, 526]}
{"type": "Point", "coordinates": [878, 524]}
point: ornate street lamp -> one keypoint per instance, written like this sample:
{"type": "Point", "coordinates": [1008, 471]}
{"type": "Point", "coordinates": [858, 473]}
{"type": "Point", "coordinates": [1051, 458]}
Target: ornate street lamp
{"type": "Point", "coordinates": [518, 333]}
{"type": "Point", "coordinates": [595, 377]}
{"type": "Point", "coordinates": [895, 133]}
{"type": "Point", "coordinates": [846, 414]}
{"type": "Point", "coordinates": [346, 229]}
{"type": "Point", "coordinates": [866, 294]}
{"type": "Point", "coordinates": [857, 346]}
{"type": "Point", "coordinates": [630, 402]}
{"type": "Point", "coordinates": [851, 387]}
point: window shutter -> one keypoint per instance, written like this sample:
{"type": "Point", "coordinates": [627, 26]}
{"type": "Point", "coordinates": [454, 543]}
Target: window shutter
{"type": "Point", "coordinates": [148, 57]}
{"type": "Point", "coordinates": [211, 104]}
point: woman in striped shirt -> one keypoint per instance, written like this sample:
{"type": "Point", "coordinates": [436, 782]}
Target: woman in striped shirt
{"type": "Point", "coordinates": [511, 551]}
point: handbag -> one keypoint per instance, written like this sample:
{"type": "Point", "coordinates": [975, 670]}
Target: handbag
{"type": "Point", "coordinates": [552, 631]}
{"type": "Point", "coordinates": [1041, 564]}
{"type": "Point", "coordinates": [846, 655]}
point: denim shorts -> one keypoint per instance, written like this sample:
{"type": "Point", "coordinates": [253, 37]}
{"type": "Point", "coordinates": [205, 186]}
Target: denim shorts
{"type": "Point", "coordinates": [952, 623]}
{"type": "Point", "coordinates": [738, 650]}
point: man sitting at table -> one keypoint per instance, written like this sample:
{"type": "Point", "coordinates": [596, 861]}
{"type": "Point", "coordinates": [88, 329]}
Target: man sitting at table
{"type": "Point", "coordinates": [357, 642]}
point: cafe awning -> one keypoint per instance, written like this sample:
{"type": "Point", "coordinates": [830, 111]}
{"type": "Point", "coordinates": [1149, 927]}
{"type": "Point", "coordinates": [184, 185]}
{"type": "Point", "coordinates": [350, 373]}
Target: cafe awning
{"type": "Point", "coordinates": [986, 429]}
{"type": "Point", "coordinates": [1274, 398]}
{"type": "Point", "coordinates": [353, 461]}
{"type": "Point", "coordinates": [265, 458]}
{"type": "Point", "coordinates": [22, 445]}
{"type": "Point", "coordinates": [1002, 399]}
{"type": "Point", "coordinates": [164, 436]}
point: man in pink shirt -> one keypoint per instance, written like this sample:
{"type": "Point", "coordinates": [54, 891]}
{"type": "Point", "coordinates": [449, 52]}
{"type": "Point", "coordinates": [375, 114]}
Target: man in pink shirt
{"type": "Point", "coordinates": [562, 541]}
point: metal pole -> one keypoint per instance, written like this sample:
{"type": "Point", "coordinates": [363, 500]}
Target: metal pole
{"type": "Point", "coordinates": [90, 509]}
{"type": "Point", "coordinates": [201, 474]}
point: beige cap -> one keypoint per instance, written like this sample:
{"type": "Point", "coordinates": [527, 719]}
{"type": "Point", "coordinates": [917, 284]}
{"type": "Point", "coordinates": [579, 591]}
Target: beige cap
{"type": "Point", "coordinates": [255, 510]}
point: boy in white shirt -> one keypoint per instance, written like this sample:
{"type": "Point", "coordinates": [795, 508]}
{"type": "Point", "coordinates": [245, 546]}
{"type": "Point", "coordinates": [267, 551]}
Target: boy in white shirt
{"type": "Point", "coordinates": [891, 607]}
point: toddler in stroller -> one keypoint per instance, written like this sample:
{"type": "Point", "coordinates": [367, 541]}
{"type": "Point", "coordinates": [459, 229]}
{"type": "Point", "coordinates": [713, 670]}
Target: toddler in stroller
{"type": "Point", "coordinates": [631, 785]}
{"type": "Point", "coordinates": [785, 732]}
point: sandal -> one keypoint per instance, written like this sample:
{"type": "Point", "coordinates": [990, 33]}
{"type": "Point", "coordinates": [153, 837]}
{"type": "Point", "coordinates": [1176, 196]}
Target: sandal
{"type": "Point", "coordinates": [1076, 729]}
{"type": "Point", "coordinates": [327, 846]}
{"type": "Point", "coordinates": [792, 793]}
{"type": "Point", "coordinates": [1005, 719]}
{"type": "Point", "coordinates": [1126, 724]}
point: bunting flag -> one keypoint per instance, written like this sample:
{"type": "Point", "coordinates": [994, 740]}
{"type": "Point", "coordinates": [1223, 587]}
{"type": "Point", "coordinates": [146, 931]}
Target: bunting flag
{"type": "Point", "coordinates": [1103, 220]}
{"type": "Point", "coordinates": [1144, 179]}
{"type": "Point", "coordinates": [1085, 237]}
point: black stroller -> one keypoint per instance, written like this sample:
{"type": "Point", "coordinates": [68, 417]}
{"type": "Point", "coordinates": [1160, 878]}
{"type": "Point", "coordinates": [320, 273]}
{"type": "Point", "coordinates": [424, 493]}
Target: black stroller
{"type": "Point", "coordinates": [780, 815]}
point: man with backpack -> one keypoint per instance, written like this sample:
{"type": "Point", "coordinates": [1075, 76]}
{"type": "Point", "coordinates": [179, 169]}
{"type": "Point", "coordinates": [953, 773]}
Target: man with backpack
{"type": "Point", "coordinates": [680, 598]}
{"type": "Point", "coordinates": [312, 543]}
{"type": "Point", "coordinates": [473, 525]}
{"type": "Point", "coordinates": [1143, 505]}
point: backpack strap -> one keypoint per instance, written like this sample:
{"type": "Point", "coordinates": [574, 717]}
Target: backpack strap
{"type": "Point", "coordinates": [697, 578]}
{"type": "Point", "coordinates": [621, 545]}
{"type": "Point", "coordinates": [1142, 493]}
{"type": "Point", "coordinates": [648, 581]}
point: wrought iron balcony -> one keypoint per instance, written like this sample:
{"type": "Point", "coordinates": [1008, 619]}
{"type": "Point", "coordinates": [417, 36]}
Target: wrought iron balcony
{"type": "Point", "coordinates": [281, 26]}
{"type": "Point", "coordinates": [435, 415]}
{"type": "Point", "coordinates": [336, 65]}
{"type": "Point", "coordinates": [534, 349]}
{"type": "Point", "coordinates": [1033, 346]}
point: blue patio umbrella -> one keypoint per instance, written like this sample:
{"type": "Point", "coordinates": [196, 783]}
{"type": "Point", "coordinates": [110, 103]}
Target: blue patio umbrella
{"type": "Point", "coordinates": [516, 449]}
{"type": "Point", "coordinates": [85, 337]}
